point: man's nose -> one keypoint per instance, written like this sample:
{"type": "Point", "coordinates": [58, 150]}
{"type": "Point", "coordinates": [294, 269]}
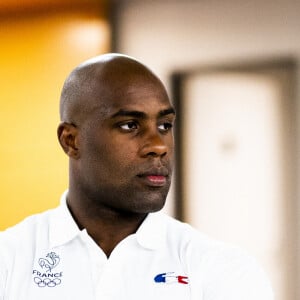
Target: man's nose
{"type": "Point", "coordinates": [155, 146]}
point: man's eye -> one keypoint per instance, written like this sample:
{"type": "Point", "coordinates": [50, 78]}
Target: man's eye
{"type": "Point", "coordinates": [165, 126]}
{"type": "Point", "coordinates": [128, 126]}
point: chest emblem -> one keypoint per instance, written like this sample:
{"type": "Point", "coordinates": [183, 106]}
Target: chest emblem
{"type": "Point", "coordinates": [50, 262]}
{"type": "Point", "coordinates": [46, 277]}
{"type": "Point", "coordinates": [171, 277]}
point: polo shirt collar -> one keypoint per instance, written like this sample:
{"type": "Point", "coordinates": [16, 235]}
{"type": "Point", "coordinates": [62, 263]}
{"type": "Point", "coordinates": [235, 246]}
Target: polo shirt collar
{"type": "Point", "coordinates": [62, 228]}
{"type": "Point", "coordinates": [152, 232]}
{"type": "Point", "coordinates": [150, 235]}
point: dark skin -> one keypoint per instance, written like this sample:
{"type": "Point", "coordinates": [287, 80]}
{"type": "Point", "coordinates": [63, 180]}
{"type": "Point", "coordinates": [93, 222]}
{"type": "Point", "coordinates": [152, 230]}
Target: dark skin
{"type": "Point", "coordinates": [117, 131]}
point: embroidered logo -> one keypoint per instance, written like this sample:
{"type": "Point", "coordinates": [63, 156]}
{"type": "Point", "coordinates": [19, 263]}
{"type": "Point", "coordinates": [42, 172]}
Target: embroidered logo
{"type": "Point", "coordinates": [171, 277]}
{"type": "Point", "coordinates": [47, 278]}
{"type": "Point", "coordinates": [50, 263]}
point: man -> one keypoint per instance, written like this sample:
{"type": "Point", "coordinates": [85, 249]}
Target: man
{"type": "Point", "coordinates": [106, 240]}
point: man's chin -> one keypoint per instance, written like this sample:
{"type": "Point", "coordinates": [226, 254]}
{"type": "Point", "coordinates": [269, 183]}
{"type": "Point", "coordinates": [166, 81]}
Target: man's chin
{"type": "Point", "coordinates": [150, 203]}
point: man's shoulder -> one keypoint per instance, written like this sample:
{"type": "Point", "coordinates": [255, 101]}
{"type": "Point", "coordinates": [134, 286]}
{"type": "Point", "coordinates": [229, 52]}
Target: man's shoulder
{"type": "Point", "coordinates": [24, 232]}
{"type": "Point", "coordinates": [217, 265]}
{"type": "Point", "coordinates": [190, 237]}
{"type": "Point", "coordinates": [202, 247]}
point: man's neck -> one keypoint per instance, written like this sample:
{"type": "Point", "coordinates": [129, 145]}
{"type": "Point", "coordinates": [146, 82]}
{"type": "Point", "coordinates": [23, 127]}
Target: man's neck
{"type": "Point", "coordinates": [107, 227]}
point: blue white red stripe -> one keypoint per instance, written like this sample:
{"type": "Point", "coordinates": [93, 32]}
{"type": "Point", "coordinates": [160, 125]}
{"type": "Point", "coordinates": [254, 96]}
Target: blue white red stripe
{"type": "Point", "coordinates": [171, 277]}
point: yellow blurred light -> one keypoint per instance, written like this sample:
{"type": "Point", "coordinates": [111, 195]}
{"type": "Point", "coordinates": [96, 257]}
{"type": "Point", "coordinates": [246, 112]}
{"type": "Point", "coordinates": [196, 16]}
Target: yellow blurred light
{"type": "Point", "coordinates": [36, 56]}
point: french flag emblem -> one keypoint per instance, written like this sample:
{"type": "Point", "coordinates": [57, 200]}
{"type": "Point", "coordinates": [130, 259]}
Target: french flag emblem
{"type": "Point", "coordinates": [171, 277]}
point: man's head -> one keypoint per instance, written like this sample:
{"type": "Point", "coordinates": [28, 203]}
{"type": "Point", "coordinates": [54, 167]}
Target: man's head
{"type": "Point", "coordinates": [116, 128]}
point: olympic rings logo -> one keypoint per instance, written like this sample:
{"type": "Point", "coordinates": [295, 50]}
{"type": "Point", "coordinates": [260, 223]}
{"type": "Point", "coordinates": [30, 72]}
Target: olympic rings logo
{"type": "Point", "coordinates": [47, 282]}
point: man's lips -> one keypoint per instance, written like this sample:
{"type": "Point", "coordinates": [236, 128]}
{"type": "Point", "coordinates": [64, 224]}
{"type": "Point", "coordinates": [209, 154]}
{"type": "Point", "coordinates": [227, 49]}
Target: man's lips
{"type": "Point", "coordinates": [155, 178]}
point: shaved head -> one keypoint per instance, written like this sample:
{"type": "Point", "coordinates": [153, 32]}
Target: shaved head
{"type": "Point", "coordinates": [116, 128]}
{"type": "Point", "coordinates": [97, 81]}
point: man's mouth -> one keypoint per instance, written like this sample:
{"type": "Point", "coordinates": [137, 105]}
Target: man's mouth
{"type": "Point", "coordinates": [155, 178]}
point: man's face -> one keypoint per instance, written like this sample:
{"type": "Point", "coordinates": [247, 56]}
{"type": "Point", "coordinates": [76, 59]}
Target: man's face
{"type": "Point", "coordinates": [126, 148]}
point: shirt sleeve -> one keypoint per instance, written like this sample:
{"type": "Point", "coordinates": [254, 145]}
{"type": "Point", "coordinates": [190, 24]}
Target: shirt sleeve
{"type": "Point", "coordinates": [239, 278]}
{"type": "Point", "coordinates": [230, 274]}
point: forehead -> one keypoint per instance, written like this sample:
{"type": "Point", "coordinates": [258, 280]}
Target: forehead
{"type": "Point", "coordinates": [139, 95]}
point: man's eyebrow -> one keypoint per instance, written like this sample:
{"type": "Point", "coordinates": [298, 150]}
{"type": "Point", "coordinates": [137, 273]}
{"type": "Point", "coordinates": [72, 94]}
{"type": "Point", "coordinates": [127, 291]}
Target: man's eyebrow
{"type": "Point", "coordinates": [168, 111]}
{"type": "Point", "coordinates": [129, 113]}
{"type": "Point", "coordinates": [140, 114]}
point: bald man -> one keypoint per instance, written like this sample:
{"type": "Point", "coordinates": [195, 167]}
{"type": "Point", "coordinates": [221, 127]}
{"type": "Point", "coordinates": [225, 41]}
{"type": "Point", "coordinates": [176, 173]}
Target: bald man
{"type": "Point", "coordinates": [107, 239]}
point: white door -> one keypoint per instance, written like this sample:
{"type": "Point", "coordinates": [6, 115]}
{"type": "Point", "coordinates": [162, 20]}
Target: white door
{"type": "Point", "coordinates": [237, 168]}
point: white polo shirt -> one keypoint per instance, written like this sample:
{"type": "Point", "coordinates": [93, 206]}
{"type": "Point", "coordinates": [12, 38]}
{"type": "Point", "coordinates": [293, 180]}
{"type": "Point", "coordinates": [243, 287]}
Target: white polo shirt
{"type": "Point", "coordinates": [47, 257]}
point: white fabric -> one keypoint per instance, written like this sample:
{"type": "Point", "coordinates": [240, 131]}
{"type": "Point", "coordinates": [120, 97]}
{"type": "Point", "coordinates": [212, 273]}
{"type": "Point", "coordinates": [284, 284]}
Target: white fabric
{"type": "Point", "coordinates": [165, 259]}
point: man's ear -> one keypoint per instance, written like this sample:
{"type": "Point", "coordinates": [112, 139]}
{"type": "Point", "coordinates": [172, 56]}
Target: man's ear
{"type": "Point", "coordinates": [68, 139]}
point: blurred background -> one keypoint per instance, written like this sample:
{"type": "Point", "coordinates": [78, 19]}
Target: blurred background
{"type": "Point", "coordinates": [231, 68]}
